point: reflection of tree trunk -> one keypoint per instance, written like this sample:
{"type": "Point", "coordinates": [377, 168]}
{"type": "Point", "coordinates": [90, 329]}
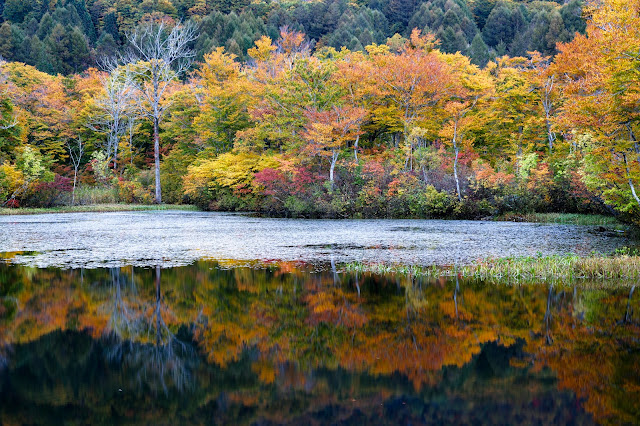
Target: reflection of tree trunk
{"type": "Point", "coordinates": [157, 307]}
{"type": "Point", "coordinates": [547, 317]}
{"type": "Point", "coordinates": [455, 295]}
{"type": "Point", "coordinates": [334, 270]}
{"type": "Point", "coordinates": [629, 313]}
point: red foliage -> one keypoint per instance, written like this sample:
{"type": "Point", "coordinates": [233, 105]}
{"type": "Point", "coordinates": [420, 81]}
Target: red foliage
{"type": "Point", "coordinates": [303, 178]}
{"type": "Point", "coordinates": [13, 203]}
{"type": "Point", "coordinates": [272, 180]}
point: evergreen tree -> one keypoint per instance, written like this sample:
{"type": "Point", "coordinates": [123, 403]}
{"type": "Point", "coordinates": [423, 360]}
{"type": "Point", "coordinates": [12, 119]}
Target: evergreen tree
{"type": "Point", "coordinates": [6, 41]}
{"type": "Point", "coordinates": [499, 26]}
{"type": "Point", "coordinates": [481, 11]}
{"type": "Point", "coordinates": [479, 51]}
{"type": "Point", "coordinates": [46, 26]}
{"type": "Point", "coordinates": [111, 26]}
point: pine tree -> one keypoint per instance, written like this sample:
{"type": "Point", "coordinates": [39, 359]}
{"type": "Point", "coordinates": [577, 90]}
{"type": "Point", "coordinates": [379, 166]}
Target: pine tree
{"type": "Point", "coordinates": [479, 51]}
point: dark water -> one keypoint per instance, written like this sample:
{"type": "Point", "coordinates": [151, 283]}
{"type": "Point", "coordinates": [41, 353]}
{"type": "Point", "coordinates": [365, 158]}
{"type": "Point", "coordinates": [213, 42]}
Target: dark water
{"type": "Point", "coordinates": [200, 344]}
{"type": "Point", "coordinates": [178, 238]}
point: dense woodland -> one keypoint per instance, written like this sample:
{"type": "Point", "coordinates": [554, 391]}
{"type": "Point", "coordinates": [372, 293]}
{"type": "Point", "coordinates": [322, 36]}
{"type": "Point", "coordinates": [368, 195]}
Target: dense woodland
{"type": "Point", "coordinates": [326, 109]}
{"type": "Point", "coordinates": [68, 36]}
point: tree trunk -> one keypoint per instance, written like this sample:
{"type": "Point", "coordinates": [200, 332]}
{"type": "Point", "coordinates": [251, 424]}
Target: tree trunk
{"type": "Point", "coordinates": [633, 189]}
{"type": "Point", "coordinates": [73, 193]}
{"type": "Point", "coordinates": [550, 135]}
{"type": "Point", "coordinates": [355, 148]}
{"type": "Point", "coordinates": [156, 157]}
{"type": "Point", "coordinates": [115, 157]}
{"type": "Point", "coordinates": [455, 161]}
{"type": "Point", "coordinates": [334, 160]}
{"type": "Point", "coordinates": [455, 173]}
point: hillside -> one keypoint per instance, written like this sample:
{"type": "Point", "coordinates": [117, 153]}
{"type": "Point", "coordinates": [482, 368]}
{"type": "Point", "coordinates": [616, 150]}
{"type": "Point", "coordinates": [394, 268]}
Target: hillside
{"type": "Point", "coordinates": [68, 36]}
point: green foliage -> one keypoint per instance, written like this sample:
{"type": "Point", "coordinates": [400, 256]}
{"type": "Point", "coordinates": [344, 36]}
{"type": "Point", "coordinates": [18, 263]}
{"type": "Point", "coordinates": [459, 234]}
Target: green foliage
{"type": "Point", "coordinates": [68, 35]}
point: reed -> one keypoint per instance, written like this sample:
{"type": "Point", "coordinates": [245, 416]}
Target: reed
{"type": "Point", "coordinates": [562, 218]}
{"type": "Point", "coordinates": [567, 268]}
{"type": "Point", "coordinates": [97, 208]}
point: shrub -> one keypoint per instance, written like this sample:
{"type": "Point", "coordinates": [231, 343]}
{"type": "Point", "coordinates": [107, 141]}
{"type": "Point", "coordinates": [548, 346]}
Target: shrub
{"type": "Point", "coordinates": [132, 192]}
{"type": "Point", "coordinates": [49, 194]}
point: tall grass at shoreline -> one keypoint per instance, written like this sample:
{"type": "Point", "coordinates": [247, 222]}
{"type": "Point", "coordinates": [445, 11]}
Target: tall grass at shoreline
{"type": "Point", "coordinates": [561, 218]}
{"type": "Point", "coordinates": [621, 266]}
{"type": "Point", "coordinates": [98, 208]}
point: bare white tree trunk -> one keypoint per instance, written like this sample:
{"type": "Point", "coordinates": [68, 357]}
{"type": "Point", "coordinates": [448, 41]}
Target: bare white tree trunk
{"type": "Point", "coordinates": [334, 160]}
{"type": "Point", "coordinates": [355, 148]}
{"type": "Point", "coordinates": [633, 189]}
{"type": "Point", "coordinates": [113, 110]}
{"type": "Point", "coordinates": [76, 157]}
{"type": "Point", "coordinates": [455, 161]}
{"type": "Point", "coordinates": [547, 105]}
{"type": "Point", "coordinates": [156, 58]}
{"type": "Point", "coordinates": [156, 159]}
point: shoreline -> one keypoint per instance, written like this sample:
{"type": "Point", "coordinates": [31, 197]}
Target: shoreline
{"type": "Point", "coordinates": [621, 266]}
{"type": "Point", "coordinates": [551, 218]}
{"type": "Point", "coordinates": [95, 208]}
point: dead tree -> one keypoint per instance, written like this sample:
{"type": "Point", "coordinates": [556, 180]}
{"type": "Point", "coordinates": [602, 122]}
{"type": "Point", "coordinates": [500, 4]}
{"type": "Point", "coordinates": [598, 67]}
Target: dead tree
{"type": "Point", "coordinates": [113, 110]}
{"type": "Point", "coordinates": [157, 56]}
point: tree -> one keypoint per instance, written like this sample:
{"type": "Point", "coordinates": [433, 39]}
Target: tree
{"type": "Point", "coordinates": [544, 81]}
{"type": "Point", "coordinates": [599, 75]}
{"type": "Point", "coordinates": [113, 110]}
{"type": "Point", "coordinates": [479, 51]}
{"type": "Point", "coordinates": [469, 84]}
{"type": "Point", "coordinates": [223, 94]}
{"type": "Point", "coordinates": [327, 131]}
{"type": "Point", "coordinates": [75, 153]}
{"type": "Point", "coordinates": [158, 55]}
{"type": "Point", "coordinates": [410, 86]}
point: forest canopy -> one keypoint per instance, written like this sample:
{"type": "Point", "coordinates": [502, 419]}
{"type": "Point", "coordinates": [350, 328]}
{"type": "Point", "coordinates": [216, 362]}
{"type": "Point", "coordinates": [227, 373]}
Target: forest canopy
{"type": "Point", "coordinates": [68, 36]}
{"type": "Point", "coordinates": [328, 109]}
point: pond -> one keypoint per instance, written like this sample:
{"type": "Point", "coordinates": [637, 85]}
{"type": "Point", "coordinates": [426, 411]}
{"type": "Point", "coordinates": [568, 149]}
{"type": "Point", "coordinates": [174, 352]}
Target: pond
{"type": "Point", "coordinates": [94, 329]}
{"type": "Point", "coordinates": [179, 238]}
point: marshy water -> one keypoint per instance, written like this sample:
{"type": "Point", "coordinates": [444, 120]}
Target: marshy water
{"type": "Point", "coordinates": [116, 318]}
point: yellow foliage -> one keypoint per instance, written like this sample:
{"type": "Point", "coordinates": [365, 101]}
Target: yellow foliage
{"type": "Point", "coordinates": [10, 179]}
{"type": "Point", "coordinates": [231, 170]}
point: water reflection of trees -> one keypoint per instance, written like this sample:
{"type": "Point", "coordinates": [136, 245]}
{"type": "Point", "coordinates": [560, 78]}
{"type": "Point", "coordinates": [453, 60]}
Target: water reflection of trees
{"type": "Point", "coordinates": [137, 336]}
{"type": "Point", "coordinates": [291, 324]}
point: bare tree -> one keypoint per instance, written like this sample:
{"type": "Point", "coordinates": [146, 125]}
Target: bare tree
{"type": "Point", "coordinates": [157, 56]}
{"type": "Point", "coordinates": [75, 153]}
{"type": "Point", "coordinates": [113, 110]}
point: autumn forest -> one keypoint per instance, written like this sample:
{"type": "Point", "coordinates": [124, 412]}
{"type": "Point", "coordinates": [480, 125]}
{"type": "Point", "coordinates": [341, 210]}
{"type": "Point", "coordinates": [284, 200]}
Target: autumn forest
{"type": "Point", "coordinates": [396, 109]}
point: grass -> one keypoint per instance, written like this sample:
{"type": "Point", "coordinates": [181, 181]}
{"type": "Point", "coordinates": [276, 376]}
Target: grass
{"type": "Point", "coordinates": [562, 218]}
{"type": "Point", "coordinates": [98, 208]}
{"type": "Point", "coordinates": [567, 268]}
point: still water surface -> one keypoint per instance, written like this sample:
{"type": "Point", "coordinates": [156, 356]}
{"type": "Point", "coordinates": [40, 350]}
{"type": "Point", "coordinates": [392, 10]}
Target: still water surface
{"type": "Point", "coordinates": [179, 238]}
{"type": "Point", "coordinates": [211, 343]}
{"type": "Point", "coordinates": [117, 319]}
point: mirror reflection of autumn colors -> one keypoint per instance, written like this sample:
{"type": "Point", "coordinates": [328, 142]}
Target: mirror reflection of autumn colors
{"type": "Point", "coordinates": [288, 343]}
